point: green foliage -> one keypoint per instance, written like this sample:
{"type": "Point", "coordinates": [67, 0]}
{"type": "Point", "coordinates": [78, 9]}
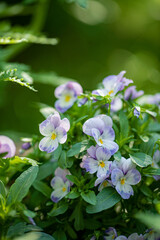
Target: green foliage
{"type": "Point", "coordinates": [150, 219]}
{"type": "Point", "coordinates": [78, 148]}
{"type": "Point", "coordinates": [89, 197]}
{"type": "Point", "coordinates": [21, 186]}
{"type": "Point", "coordinates": [106, 199]}
{"type": "Point", "coordinates": [141, 159]}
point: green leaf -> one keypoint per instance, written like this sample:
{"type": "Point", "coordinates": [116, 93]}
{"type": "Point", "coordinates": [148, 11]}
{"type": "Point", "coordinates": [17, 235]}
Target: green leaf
{"type": "Point", "coordinates": [46, 170]}
{"type": "Point", "coordinates": [89, 197]}
{"type": "Point", "coordinates": [58, 210]}
{"type": "Point", "coordinates": [59, 235]}
{"type": "Point", "coordinates": [78, 216]}
{"type": "Point", "coordinates": [21, 186]}
{"type": "Point", "coordinates": [146, 191]}
{"type": "Point", "coordinates": [107, 198]}
{"type": "Point", "coordinates": [62, 161]}
{"type": "Point", "coordinates": [117, 156]}
{"type": "Point", "coordinates": [43, 188]}
{"type": "Point", "coordinates": [151, 171]}
{"type": "Point", "coordinates": [141, 159]}
{"type": "Point", "coordinates": [35, 236]}
{"type": "Point", "coordinates": [57, 153]}
{"type": "Point", "coordinates": [73, 195]}
{"type": "Point", "coordinates": [20, 229]}
{"type": "Point", "coordinates": [17, 160]}
{"type": "Point", "coordinates": [14, 38]}
{"type": "Point", "coordinates": [78, 148]}
{"type": "Point", "coordinates": [73, 179]}
{"type": "Point", "coordinates": [10, 75]}
{"type": "Point", "coordinates": [29, 213]}
{"type": "Point", "coordinates": [2, 189]}
{"type": "Point", "coordinates": [124, 125]}
{"type": "Point", "coordinates": [150, 219]}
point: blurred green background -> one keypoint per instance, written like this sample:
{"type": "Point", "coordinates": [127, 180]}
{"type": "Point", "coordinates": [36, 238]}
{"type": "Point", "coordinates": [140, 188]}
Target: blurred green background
{"type": "Point", "coordinates": [102, 39]}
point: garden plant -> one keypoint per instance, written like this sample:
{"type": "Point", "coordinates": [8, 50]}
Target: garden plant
{"type": "Point", "coordinates": [93, 171]}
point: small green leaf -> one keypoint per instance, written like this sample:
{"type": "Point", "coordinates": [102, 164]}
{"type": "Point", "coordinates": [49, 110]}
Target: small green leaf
{"type": "Point", "coordinates": [124, 125]}
{"type": "Point", "coordinates": [73, 179]}
{"type": "Point", "coordinates": [22, 184]}
{"type": "Point", "coordinates": [73, 195]}
{"type": "Point", "coordinates": [78, 216]}
{"type": "Point", "coordinates": [17, 160]}
{"type": "Point", "coordinates": [62, 161]}
{"type": "Point", "coordinates": [57, 153]}
{"type": "Point", "coordinates": [117, 156]}
{"type": "Point", "coordinates": [151, 171]}
{"type": "Point", "coordinates": [59, 235]}
{"type": "Point", "coordinates": [89, 197]}
{"type": "Point", "coordinates": [107, 198]}
{"type": "Point", "coordinates": [58, 210]}
{"type": "Point", "coordinates": [35, 236]}
{"type": "Point", "coordinates": [46, 170]}
{"type": "Point", "coordinates": [78, 148]}
{"type": "Point", "coordinates": [43, 188]}
{"type": "Point", "coordinates": [2, 189]}
{"type": "Point", "coordinates": [141, 159]}
{"type": "Point", "coordinates": [29, 213]}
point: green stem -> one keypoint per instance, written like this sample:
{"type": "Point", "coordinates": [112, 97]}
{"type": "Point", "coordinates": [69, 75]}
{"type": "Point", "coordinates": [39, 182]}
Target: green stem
{"type": "Point", "coordinates": [36, 26]}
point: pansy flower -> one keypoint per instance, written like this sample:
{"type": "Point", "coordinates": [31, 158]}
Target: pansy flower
{"type": "Point", "coordinates": [67, 95]}
{"type": "Point", "coordinates": [110, 234]}
{"type": "Point", "coordinates": [156, 162]}
{"type": "Point", "coordinates": [100, 128]}
{"type": "Point", "coordinates": [54, 131]}
{"type": "Point", "coordinates": [131, 93]}
{"type": "Point", "coordinates": [103, 182]}
{"type": "Point", "coordinates": [97, 161]}
{"type": "Point", "coordinates": [123, 176]}
{"type": "Point", "coordinates": [151, 235]}
{"type": "Point", "coordinates": [113, 84]}
{"type": "Point", "coordinates": [60, 184]}
{"type": "Point", "coordinates": [137, 112]}
{"type": "Point", "coordinates": [7, 146]}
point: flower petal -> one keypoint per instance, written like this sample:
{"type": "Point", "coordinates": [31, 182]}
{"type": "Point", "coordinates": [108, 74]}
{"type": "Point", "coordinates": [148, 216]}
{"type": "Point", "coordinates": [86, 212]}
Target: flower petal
{"type": "Point", "coordinates": [91, 123]}
{"type": "Point", "coordinates": [92, 151]}
{"type": "Point", "coordinates": [57, 182]}
{"type": "Point", "coordinates": [7, 145]}
{"type": "Point", "coordinates": [103, 170]}
{"type": "Point", "coordinates": [65, 124]}
{"type": "Point", "coordinates": [133, 177]}
{"type": "Point", "coordinates": [61, 135]}
{"type": "Point", "coordinates": [112, 146]}
{"type": "Point", "coordinates": [125, 190]}
{"type": "Point", "coordinates": [116, 175]}
{"type": "Point", "coordinates": [108, 134]}
{"type": "Point", "coordinates": [48, 145]}
{"type": "Point", "coordinates": [59, 193]}
{"type": "Point", "coordinates": [106, 119]}
{"type": "Point", "coordinates": [90, 164]}
{"type": "Point", "coordinates": [103, 153]}
{"type": "Point", "coordinates": [46, 127]}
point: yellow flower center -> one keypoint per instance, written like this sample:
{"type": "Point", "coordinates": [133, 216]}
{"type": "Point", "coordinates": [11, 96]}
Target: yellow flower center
{"type": "Point", "coordinates": [64, 189]}
{"type": "Point", "coordinates": [67, 98]}
{"type": "Point", "coordinates": [105, 183]}
{"type": "Point", "coordinates": [102, 164]}
{"type": "Point", "coordinates": [110, 92]}
{"type": "Point", "coordinates": [100, 140]}
{"type": "Point", "coordinates": [53, 136]}
{"type": "Point", "coordinates": [122, 181]}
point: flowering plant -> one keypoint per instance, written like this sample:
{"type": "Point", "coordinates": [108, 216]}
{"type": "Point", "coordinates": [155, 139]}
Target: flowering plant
{"type": "Point", "coordinates": [94, 171]}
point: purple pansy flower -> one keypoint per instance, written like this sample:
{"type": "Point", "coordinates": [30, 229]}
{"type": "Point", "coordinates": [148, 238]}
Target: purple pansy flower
{"type": "Point", "coordinates": [111, 234]}
{"type": "Point", "coordinates": [121, 238]}
{"type": "Point", "coordinates": [132, 93]}
{"type": "Point", "coordinates": [135, 236]}
{"type": "Point", "coordinates": [123, 176]}
{"type": "Point", "coordinates": [113, 84]}
{"type": "Point", "coordinates": [103, 182]}
{"type": "Point", "coordinates": [82, 101]}
{"type": "Point", "coordinates": [155, 163]}
{"type": "Point", "coordinates": [54, 131]}
{"type": "Point", "coordinates": [97, 161]}
{"type": "Point", "coordinates": [60, 184]}
{"type": "Point", "coordinates": [7, 146]}
{"type": "Point", "coordinates": [137, 112]}
{"type": "Point", "coordinates": [100, 128]}
{"type": "Point", "coordinates": [67, 95]}
{"type": "Point", "coordinates": [116, 104]}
